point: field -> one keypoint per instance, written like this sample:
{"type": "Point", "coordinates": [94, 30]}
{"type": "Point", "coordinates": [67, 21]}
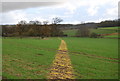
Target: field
{"type": "Point", "coordinates": [94, 58]}
{"type": "Point", "coordinates": [28, 58]}
{"type": "Point", "coordinates": [31, 58]}
{"type": "Point", "coordinates": [70, 32]}
{"type": "Point", "coordinates": [105, 30]}
{"type": "Point", "coordinates": [111, 28]}
{"type": "Point", "coordinates": [112, 36]}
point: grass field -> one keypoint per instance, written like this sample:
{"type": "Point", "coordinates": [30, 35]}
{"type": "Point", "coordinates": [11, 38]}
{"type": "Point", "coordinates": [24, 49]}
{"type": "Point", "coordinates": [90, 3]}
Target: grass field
{"type": "Point", "coordinates": [31, 58]}
{"type": "Point", "coordinates": [28, 58]}
{"type": "Point", "coordinates": [112, 28]}
{"type": "Point", "coordinates": [113, 36]}
{"type": "Point", "coordinates": [70, 32]}
{"type": "Point", "coordinates": [94, 58]}
{"type": "Point", "coordinates": [106, 30]}
{"type": "Point", "coordinates": [103, 31]}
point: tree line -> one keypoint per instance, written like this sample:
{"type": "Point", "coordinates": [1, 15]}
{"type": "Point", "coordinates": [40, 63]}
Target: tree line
{"type": "Point", "coordinates": [33, 28]}
{"type": "Point", "coordinates": [109, 23]}
{"type": "Point", "coordinates": [43, 29]}
{"type": "Point", "coordinates": [84, 29]}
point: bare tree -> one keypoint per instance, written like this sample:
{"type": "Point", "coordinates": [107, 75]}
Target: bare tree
{"type": "Point", "coordinates": [45, 29]}
{"type": "Point", "coordinates": [22, 22]}
{"type": "Point", "coordinates": [55, 30]}
{"type": "Point", "coordinates": [56, 20]}
{"type": "Point", "coordinates": [31, 22]}
{"type": "Point", "coordinates": [20, 27]}
{"type": "Point", "coordinates": [4, 31]}
{"type": "Point", "coordinates": [83, 31]}
{"type": "Point", "coordinates": [35, 22]}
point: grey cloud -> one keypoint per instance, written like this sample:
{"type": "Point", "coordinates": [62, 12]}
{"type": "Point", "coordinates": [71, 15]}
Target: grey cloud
{"type": "Point", "coordinates": [33, 0]}
{"type": "Point", "coordinates": [119, 10]}
{"type": "Point", "coordinates": [9, 6]}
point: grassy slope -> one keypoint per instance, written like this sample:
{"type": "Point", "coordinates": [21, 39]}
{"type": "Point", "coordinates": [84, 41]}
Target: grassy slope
{"type": "Point", "coordinates": [113, 36]}
{"type": "Point", "coordinates": [105, 30]}
{"type": "Point", "coordinates": [70, 32]}
{"type": "Point", "coordinates": [93, 67]}
{"type": "Point", "coordinates": [113, 28]}
{"type": "Point", "coordinates": [28, 58]}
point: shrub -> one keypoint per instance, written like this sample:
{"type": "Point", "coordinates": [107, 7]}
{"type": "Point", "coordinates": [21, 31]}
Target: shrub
{"type": "Point", "coordinates": [94, 35]}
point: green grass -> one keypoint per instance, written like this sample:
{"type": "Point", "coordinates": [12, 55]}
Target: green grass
{"type": "Point", "coordinates": [28, 58]}
{"type": "Point", "coordinates": [113, 28]}
{"type": "Point", "coordinates": [90, 57]}
{"type": "Point", "coordinates": [31, 58]}
{"type": "Point", "coordinates": [96, 46]}
{"type": "Point", "coordinates": [112, 36]}
{"type": "Point", "coordinates": [71, 32]}
{"type": "Point", "coordinates": [103, 31]}
{"type": "Point", "coordinates": [106, 30]}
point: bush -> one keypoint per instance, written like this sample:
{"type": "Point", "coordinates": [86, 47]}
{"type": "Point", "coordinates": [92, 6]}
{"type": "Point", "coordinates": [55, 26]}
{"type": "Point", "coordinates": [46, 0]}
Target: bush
{"type": "Point", "coordinates": [94, 35]}
{"type": "Point", "coordinates": [83, 32]}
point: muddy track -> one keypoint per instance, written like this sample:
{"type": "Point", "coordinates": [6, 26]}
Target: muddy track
{"type": "Point", "coordinates": [61, 67]}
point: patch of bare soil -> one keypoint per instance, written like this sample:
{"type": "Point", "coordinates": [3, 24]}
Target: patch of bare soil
{"type": "Point", "coordinates": [110, 34]}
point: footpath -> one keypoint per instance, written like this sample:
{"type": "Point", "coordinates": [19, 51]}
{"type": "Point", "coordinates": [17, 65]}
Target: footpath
{"type": "Point", "coordinates": [61, 67]}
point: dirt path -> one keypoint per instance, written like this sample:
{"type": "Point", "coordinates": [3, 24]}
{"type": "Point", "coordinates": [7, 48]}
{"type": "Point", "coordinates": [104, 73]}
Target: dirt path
{"type": "Point", "coordinates": [110, 34]}
{"type": "Point", "coordinates": [61, 68]}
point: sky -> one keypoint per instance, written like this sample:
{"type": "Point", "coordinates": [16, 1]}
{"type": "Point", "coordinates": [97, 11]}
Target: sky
{"type": "Point", "coordinates": [71, 11]}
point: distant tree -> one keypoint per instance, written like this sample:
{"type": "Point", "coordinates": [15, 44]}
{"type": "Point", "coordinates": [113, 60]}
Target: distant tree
{"type": "Point", "coordinates": [45, 30]}
{"type": "Point", "coordinates": [20, 27]}
{"type": "Point", "coordinates": [4, 31]}
{"type": "Point", "coordinates": [56, 20]}
{"type": "Point", "coordinates": [31, 32]}
{"type": "Point", "coordinates": [19, 30]}
{"type": "Point", "coordinates": [83, 31]}
{"type": "Point", "coordinates": [109, 23]}
{"type": "Point", "coordinates": [39, 30]}
{"type": "Point", "coordinates": [22, 22]}
{"type": "Point", "coordinates": [35, 22]}
{"type": "Point", "coordinates": [93, 35]}
{"type": "Point", "coordinates": [55, 31]}
{"type": "Point", "coordinates": [31, 22]}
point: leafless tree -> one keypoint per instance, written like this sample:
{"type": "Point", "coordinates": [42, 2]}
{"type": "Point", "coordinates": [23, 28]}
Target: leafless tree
{"type": "Point", "coordinates": [22, 22]}
{"type": "Point", "coordinates": [55, 30]}
{"type": "Point", "coordinates": [56, 20]}
{"type": "Point", "coordinates": [20, 27]}
{"type": "Point", "coordinates": [83, 31]}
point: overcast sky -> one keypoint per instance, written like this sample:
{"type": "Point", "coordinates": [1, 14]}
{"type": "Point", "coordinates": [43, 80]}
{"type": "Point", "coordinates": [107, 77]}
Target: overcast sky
{"type": "Point", "coordinates": [71, 11]}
